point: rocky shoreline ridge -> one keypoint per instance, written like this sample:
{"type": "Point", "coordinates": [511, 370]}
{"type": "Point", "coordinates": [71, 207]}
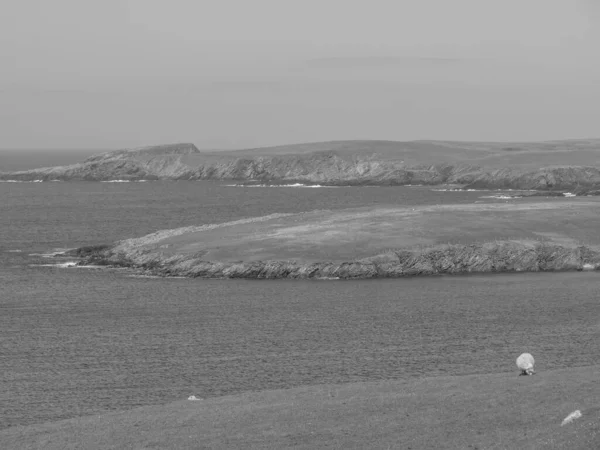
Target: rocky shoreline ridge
{"type": "Point", "coordinates": [493, 257]}
{"type": "Point", "coordinates": [353, 163]}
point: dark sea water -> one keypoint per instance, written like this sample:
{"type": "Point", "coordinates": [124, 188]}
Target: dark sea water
{"type": "Point", "coordinates": [83, 341]}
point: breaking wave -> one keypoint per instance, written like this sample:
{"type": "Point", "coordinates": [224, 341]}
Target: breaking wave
{"type": "Point", "coordinates": [460, 190]}
{"type": "Point", "coordinates": [67, 265]}
{"type": "Point", "coordinates": [146, 276]}
{"type": "Point", "coordinates": [59, 265]}
{"type": "Point", "coordinates": [501, 197]}
{"type": "Point", "coordinates": [294, 185]}
{"type": "Point", "coordinates": [53, 254]}
{"type": "Point", "coordinates": [124, 181]}
{"type": "Point", "coordinates": [21, 181]}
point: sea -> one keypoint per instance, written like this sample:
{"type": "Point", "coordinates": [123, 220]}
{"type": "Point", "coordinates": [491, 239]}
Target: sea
{"type": "Point", "coordinates": [81, 341]}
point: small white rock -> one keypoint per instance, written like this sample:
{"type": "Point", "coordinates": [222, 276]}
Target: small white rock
{"type": "Point", "coordinates": [193, 397]}
{"type": "Point", "coordinates": [525, 362]}
{"type": "Point", "coordinates": [571, 417]}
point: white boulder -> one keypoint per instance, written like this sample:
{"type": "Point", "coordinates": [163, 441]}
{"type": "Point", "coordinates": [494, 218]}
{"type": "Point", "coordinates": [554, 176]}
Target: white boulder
{"type": "Point", "coordinates": [571, 417]}
{"type": "Point", "coordinates": [525, 363]}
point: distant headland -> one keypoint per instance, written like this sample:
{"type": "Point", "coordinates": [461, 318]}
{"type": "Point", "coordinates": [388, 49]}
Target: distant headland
{"type": "Point", "coordinates": [560, 166]}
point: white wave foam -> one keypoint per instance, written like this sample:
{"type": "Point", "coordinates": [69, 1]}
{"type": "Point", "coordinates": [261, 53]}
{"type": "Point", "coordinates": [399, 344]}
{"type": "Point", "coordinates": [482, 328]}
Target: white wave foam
{"type": "Point", "coordinates": [59, 265]}
{"type": "Point", "coordinates": [518, 190]}
{"type": "Point", "coordinates": [501, 197]}
{"type": "Point", "coordinates": [124, 181]}
{"type": "Point", "coordinates": [568, 194]}
{"type": "Point", "coordinates": [460, 190]}
{"type": "Point", "coordinates": [21, 181]}
{"type": "Point", "coordinates": [67, 265]}
{"type": "Point", "coordinates": [483, 190]}
{"type": "Point", "coordinates": [56, 252]}
{"type": "Point", "coordinates": [14, 251]}
{"type": "Point", "coordinates": [295, 185]}
{"type": "Point", "coordinates": [144, 276]}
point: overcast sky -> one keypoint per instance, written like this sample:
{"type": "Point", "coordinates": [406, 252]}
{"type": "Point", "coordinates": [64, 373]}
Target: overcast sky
{"type": "Point", "coordinates": [247, 73]}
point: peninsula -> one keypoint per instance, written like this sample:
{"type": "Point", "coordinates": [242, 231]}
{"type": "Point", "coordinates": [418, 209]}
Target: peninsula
{"type": "Point", "coordinates": [565, 166]}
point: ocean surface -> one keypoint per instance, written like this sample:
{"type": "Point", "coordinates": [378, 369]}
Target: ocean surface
{"type": "Point", "coordinates": [80, 341]}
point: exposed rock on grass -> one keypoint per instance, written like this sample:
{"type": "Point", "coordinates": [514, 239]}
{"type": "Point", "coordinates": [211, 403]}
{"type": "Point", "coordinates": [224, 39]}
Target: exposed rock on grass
{"type": "Point", "coordinates": [494, 257]}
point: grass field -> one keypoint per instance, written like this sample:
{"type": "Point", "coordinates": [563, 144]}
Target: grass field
{"type": "Point", "coordinates": [499, 411]}
{"type": "Point", "coordinates": [352, 234]}
{"type": "Point", "coordinates": [532, 155]}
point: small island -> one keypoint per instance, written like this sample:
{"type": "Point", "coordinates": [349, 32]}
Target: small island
{"type": "Point", "coordinates": [378, 242]}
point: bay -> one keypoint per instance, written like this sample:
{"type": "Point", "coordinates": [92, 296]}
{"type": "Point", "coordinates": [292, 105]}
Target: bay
{"type": "Point", "coordinates": [82, 341]}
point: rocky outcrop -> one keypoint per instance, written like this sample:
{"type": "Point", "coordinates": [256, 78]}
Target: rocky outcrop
{"type": "Point", "coordinates": [494, 257]}
{"type": "Point", "coordinates": [576, 179]}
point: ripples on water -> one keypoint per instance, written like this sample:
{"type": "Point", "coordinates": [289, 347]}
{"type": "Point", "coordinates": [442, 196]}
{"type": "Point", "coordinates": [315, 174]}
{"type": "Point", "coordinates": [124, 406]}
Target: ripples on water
{"type": "Point", "coordinates": [75, 342]}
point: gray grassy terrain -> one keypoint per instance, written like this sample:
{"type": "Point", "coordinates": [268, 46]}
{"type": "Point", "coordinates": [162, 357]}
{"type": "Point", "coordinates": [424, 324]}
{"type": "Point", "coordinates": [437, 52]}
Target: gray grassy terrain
{"type": "Point", "coordinates": [497, 411]}
{"type": "Point", "coordinates": [375, 242]}
{"type": "Point", "coordinates": [556, 165]}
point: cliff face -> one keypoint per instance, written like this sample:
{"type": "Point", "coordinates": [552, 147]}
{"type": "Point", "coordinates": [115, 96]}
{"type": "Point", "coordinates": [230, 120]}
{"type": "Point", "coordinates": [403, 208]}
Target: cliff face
{"type": "Point", "coordinates": [561, 165]}
{"type": "Point", "coordinates": [577, 179]}
{"type": "Point", "coordinates": [333, 168]}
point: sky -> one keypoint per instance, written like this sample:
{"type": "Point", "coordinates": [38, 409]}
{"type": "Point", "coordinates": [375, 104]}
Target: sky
{"type": "Point", "coordinates": [250, 73]}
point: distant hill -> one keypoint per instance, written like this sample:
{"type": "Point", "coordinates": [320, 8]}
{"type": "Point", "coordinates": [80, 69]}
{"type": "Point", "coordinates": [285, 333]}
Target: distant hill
{"type": "Point", "coordinates": [551, 165]}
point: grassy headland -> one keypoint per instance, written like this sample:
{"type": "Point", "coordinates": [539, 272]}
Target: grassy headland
{"type": "Point", "coordinates": [377, 242]}
{"type": "Point", "coordinates": [556, 165]}
{"type": "Point", "coordinates": [500, 410]}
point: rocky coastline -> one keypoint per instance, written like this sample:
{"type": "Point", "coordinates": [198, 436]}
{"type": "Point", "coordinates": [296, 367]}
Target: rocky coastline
{"type": "Point", "coordinates": [545, 166]}
{"type": "Point", "coordinates": [493, 257]}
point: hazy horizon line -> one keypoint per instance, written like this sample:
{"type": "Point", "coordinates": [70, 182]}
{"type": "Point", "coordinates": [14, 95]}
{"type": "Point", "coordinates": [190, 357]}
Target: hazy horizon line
{"type": "Point", "coordinates": [107, 149]}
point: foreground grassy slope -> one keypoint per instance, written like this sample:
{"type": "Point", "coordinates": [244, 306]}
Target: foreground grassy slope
{"type": "Point", "coordinates": [501, 411]}
{"type": "Point", "coordinates": [561, 165]}
{"type": "Point", "coordinates": [375, 242]}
